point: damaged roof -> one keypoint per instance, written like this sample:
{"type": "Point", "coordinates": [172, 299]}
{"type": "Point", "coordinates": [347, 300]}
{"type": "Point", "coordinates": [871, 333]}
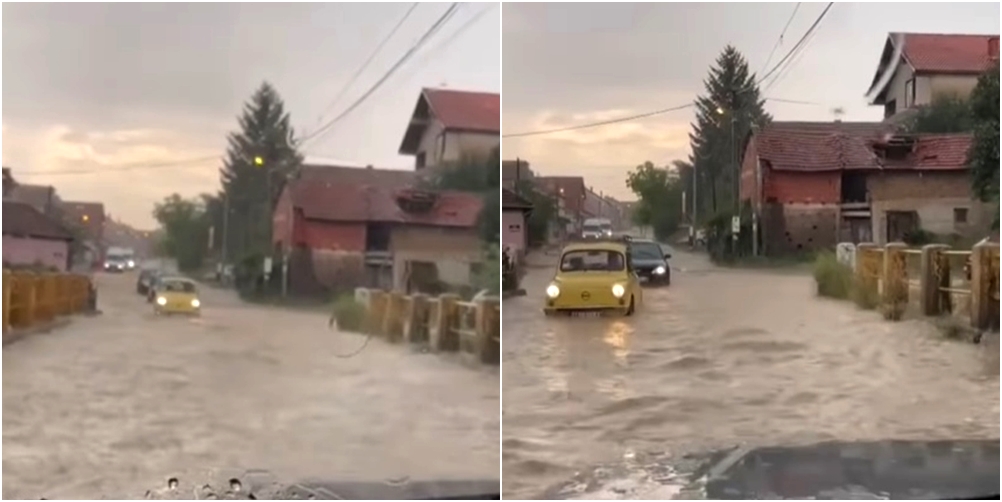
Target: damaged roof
{"type": "Point", "coordinates": [467, 111]}
{"type": "Point", "coordinates": [833, 146]}
{"type": "Point", "coordinates": [348, 194]}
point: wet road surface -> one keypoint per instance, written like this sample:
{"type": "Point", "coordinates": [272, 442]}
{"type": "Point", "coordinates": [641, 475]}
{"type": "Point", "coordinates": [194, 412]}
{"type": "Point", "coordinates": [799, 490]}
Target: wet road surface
{"type": "Point", "coordinates": [723, 357]}
{"type": "Point", "coordinates": [113, 404]}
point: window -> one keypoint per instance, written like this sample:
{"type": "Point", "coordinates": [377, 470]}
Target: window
{"type": "Point", "coordinates": [959, 215]}
{"type": "Point", "coordinates": [419, 161]}
{"type": "Point", "coordinates": [910, 93]}
{"type": "Point", "coordinates": [890, 108]}
{"type": "Point", "coordinates": [598, 260]}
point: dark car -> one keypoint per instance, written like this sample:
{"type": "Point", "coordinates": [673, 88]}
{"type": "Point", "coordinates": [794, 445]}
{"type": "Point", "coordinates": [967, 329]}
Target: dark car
{"type": "Point", "coordinates": [145, 280]}
{"type": "Point", "coordinates": [650, 261]}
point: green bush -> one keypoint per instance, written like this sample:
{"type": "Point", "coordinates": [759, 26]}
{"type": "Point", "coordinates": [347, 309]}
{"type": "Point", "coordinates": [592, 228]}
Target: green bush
{"type": "Point", "coordinates": [834, 279]}
{"type": "Point", "coordinates": [348, 313]}
{"type": "Point", "coordinates": [863, 297]}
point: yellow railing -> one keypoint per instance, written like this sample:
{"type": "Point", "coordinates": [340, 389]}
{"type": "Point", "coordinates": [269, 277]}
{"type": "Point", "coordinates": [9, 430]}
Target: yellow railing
{"type": "Point", "coordinates": [444, 323]}
{"type": "Point", "coordinates": [939, 279]}
{"type": "Point", "coordinates": [32, 299]}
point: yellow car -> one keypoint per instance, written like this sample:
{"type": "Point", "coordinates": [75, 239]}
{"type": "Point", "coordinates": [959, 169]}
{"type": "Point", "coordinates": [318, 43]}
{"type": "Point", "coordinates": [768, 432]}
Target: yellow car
{"type": "Point", "coordinates": [594, 276]}
{"type": "Point", "coordinates": [176, 295]}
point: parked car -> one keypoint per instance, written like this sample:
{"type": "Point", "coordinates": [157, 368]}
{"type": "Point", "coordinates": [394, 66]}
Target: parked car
{"type": "Point", "coordinates": [145, 280]}
{"type": "Point", "coordinates": [594, 275]}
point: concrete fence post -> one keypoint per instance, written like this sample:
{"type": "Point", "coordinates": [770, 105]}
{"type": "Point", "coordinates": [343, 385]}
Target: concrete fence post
{"type": "Point", "coordinates": [488, 343]}
{"type": "Point", "coordinates": [868, 269]}
{"type": "Point", "coordinates": [984, 279]}
{"type": "Point", "coordinates": [934, 277]}
{"type": "Point", "coordinates": [443, 337]}
{"type": "Point", "coordinates": [376, 312]}
{"type": "Point", "coordinates": [393, 318]}
{"type": "Point", "coordinates": [416, 319]}
{"type": "Point", "coordinates": [895, 296]}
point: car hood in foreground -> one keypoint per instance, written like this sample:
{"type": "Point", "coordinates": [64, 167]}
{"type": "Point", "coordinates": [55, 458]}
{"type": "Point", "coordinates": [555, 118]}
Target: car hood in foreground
{"type": "Point", "coordinates": [907, 470]}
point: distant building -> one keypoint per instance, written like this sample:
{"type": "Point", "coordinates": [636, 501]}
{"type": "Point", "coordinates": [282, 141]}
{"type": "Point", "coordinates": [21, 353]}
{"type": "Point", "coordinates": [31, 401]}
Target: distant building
{"type": "Point", "coordinates": [447, 125]}
{"type": "Point", "coordinates": [515, 171]}
{"type": "Point", "coordinates": [32, 238]}
{"type": "Point", "coordinates": [514, 213]}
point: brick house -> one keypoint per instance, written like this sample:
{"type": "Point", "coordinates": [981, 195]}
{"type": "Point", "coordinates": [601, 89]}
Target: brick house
{"type": "Point", "coordinates": [916, 67]}
{"type": "Point", "coordinates": [343, 227]}
{"type": "Point", "coordinates": [812, 185]}
{"type": "Point", "coordinates": [30, 238]}
{"type": "Point", "coordinates": [447, 125]}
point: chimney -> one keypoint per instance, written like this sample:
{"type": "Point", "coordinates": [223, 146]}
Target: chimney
{"type": "Point", "coordinates": [368, 166]}
{"type": "Point", "coordinates": [993, 48]}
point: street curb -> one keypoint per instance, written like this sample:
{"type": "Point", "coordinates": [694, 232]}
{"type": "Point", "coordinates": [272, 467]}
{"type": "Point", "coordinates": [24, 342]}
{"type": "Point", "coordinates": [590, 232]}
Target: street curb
{"type": "Point", "coordinates": [12, 335]}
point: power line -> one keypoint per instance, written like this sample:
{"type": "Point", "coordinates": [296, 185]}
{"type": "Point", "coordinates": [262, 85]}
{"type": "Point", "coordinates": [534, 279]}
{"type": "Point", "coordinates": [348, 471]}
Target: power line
{"type": "Point", "coordinates": [799, 52]}
{"type": "Point", "coordinates": [679, 107]}
{"type": "Point", "coordinates": [797, 46]}
{"type": "Point", "coordinates": [132, 167]}
{"type": "Point", "coordinates": [367, 62]}
{"type": "Point", "coordinates": [409, 54]}
{"type": "Point", "coordinates": [780, 39]}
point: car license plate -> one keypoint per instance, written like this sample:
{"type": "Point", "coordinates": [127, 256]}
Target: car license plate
{"type": "Point", "coordinates": [588, 314]}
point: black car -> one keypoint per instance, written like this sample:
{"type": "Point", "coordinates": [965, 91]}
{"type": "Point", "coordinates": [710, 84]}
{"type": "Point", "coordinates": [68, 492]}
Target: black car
{"type": "Point", "coordinates": [650, 261]}
{"type": "Point", "coordinates": [144, 281]}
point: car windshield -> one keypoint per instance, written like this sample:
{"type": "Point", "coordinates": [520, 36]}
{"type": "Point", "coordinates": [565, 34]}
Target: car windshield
{"type": "Point", "coordinates": [117, 257]}
{"type": "Point", "coordinates": [179, 286]}
{"type": "Point", "coordinates": [647, 251]}
{"type": "Point", "coordinates": [599, 260]}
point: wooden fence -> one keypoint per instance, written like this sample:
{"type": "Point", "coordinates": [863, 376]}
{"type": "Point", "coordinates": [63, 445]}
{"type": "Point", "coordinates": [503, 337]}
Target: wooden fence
{"type": "Point", "coordinates": [34, 299]}
{"type": "Point", "coordinates": [444, 323]}
{"type": "Point", "coordinates": [941, 280]}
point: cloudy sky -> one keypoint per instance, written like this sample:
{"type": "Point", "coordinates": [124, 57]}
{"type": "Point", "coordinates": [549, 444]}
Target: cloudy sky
{"type": "Point", "coordinates": [104, 88]}
{"type": "Point", "coordinates": [567, 64]}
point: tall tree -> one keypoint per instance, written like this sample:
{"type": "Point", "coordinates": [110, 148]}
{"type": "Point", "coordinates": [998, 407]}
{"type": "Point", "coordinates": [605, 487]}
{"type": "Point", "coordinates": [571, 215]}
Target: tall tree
{"type": "Point", "coordinates": [983, 156]}
{"type": "Point", "coordinates": [659, 198]}
{"type": "Point", "coordinates": [185, 230]}
{"type": "Point", "coordinates": [259, 160]}
{"type": "Point", "coordinates": [725, 114]}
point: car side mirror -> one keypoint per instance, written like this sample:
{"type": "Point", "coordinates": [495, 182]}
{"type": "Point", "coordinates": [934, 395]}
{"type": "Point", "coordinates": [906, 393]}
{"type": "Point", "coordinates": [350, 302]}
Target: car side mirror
{"type": "Point", "coordinates": [668, 256]}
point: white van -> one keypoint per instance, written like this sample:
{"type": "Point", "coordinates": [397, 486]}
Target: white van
{"type": "Point", "coordinates": [596, 228]}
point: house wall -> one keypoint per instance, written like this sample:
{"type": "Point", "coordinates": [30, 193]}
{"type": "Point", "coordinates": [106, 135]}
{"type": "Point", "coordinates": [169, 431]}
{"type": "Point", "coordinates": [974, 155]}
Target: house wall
{"type": "Point", "coordinates": [283, 220]}
{"type": "Point", "coordinates": [338, 236]}
{"type": "Point", "coordinates": [513, 231]}
{"type": "Point", "coordinates": [927, 86]}
{"type": "Point", "coordinates": [27, 251]}
{"type": "Point", "coordinates": [960, 85]}
{"type": "Point", "coordinates": [441, 146]}
{"type": "Point", "coordinates": [934, 196]}
{"type": "Point", "coordinates": [799, 211]}
{"type": "Point", "coordinates": [453, 251]}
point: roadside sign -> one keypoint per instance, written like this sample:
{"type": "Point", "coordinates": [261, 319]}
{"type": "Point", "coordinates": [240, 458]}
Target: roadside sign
{"type": "Point", "coordinates": [735, 224]}
{"type": "Point", "coordinates": [267, 264]}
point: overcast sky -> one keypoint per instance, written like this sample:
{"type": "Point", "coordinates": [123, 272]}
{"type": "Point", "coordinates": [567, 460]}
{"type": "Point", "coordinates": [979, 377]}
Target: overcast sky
{"type": "Point", "coordinates": [567, 64]}
{"type": "Point", "coordinates": [99, 87]}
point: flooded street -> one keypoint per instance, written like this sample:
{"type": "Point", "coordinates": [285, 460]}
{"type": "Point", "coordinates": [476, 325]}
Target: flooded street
{"type": "Point", "coordinates": [110, 406]}
{"type": "Point", "coordinates": [725, 357]}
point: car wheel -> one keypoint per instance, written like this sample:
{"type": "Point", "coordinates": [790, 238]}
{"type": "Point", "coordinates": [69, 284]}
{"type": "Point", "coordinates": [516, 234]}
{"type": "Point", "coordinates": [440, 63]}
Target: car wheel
{"type": "Point", "coordinates": [631, 309]}
{"type": "Point", "coordinates": [668, 279]}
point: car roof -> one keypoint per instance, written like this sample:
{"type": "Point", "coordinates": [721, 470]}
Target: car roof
{"type": "Point", "coordinates": [176, 278]}
{"type": "Point", "coordinates": [600, 245]}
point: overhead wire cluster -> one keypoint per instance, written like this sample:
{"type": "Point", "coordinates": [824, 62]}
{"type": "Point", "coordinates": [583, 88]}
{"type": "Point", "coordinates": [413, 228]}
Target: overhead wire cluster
{"type": "Point", "coordinates": [324, 127]}
{"type": "Point", "coordinates": [776, 73]}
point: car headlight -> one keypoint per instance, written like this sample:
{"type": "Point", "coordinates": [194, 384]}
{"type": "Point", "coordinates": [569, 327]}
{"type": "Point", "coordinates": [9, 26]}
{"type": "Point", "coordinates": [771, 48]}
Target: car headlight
{"type": "Point", "coordinates": [552, 291]}
{"type": "Point", "coordinates": [132, 264]}
{"type": "Point", "coordinates": [618, 290]}
{"type": "Point", "coordinates": [659, 271]}
{"type": "Point", "coordinates": [161, 301]}
{"type": "Point", "coordinates": [195, 303]}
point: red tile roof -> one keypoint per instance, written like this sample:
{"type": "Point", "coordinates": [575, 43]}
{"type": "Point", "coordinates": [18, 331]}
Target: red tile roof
{"type": "Point", "coordinates": [347, 194]}
{"type": "Point", "coordinates": [465, 110]}
{"type": "Point", "coordinates": [830, 146]}
{"type": "Point", "coordinates": [947, 53]}
{"type": "Point", "coordinates": [22, 220]}
{"type": "Point", "coordinates": [818, 146]}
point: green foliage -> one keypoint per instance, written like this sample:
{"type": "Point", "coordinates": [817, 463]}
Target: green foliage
{"type": "Point", "coordinates": [542, 216]}
{"type": "Point", "coordinates": [725, 115]}
{"type": "Point", "coordinates": [983, 156]}
{"type": "Point", "coordinates": [948, 113]}
{"type": "Point", "coordinates": [185, 230]}
{"type": "Point", "coordinates": [834, 279]}
{"type": "Point", "coordinates": [659, 194]}
{"type": "Point", "coordinates": [348, 313]}
{"type": "Point", "coordinates": [265, 133]}
{"type": "Point", "coordinates": [489, 275]}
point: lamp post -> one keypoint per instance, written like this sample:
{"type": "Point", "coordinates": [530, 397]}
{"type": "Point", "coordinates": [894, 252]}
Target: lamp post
{"type": "Point", "coordinates": [736, 217]}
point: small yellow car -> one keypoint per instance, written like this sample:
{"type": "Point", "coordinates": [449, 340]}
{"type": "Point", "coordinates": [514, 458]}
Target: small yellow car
{"type": "Point", "coordinates": [593, 277]}
{"type": "Point", "coordinates": [176, 295]}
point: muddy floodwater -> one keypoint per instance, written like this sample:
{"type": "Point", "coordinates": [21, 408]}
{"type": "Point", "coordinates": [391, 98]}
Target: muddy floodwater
{"type": "Point", "coordinates": [726, 357]}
